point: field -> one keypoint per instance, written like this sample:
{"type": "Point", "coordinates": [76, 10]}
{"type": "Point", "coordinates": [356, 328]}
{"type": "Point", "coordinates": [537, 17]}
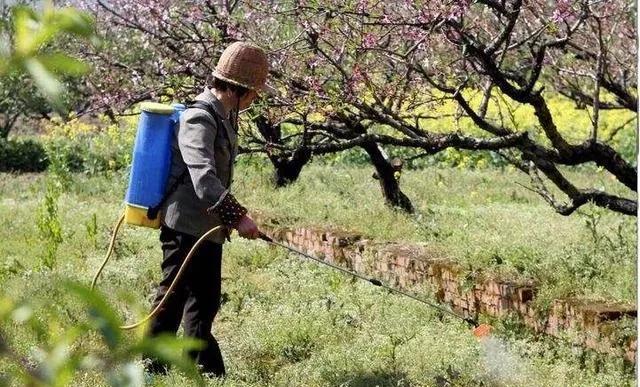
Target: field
{"type": "Point", "coordinates": [288, 322]}
{"type": "Point", "coordinates": [449, 98]}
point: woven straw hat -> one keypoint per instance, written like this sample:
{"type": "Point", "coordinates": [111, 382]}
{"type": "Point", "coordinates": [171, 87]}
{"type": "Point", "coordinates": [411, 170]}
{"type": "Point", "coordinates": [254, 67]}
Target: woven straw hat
{"type": "Point", "coordinates": [243, 64]}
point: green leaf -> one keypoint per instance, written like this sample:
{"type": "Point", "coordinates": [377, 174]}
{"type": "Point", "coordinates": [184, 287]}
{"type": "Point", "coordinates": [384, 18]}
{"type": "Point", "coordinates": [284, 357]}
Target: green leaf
{"type": "Point", "coordinates": [172, 350]}
{"type": "Point", "coordinates": [63, 64]}
{"type": "Point", "coordinates": [102, 317]}
{"type": "Point", "coordinates": [26, 26]}
{"type": "Point", "coordinates": [74, 22]}
{"type": "Point", "coordinates": [33, 30]}
{"type": "Point", "coordinates": [47, 83]}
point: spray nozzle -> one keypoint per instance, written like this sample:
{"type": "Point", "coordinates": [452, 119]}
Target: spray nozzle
{"type": "Point", "coordinates": [472, 322]}
{"type": "Point", "coordinates": [481, 331]}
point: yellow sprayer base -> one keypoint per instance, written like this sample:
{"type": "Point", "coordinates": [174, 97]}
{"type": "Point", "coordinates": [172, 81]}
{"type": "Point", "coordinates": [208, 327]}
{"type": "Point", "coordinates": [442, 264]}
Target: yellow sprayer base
{"type": "Point", "coordinates": [137, 216]}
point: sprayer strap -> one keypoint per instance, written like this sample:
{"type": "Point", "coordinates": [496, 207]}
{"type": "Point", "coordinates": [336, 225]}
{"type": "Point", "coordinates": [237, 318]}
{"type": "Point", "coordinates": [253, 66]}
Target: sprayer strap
{"type": "Point", "coordinates": [206, 106]}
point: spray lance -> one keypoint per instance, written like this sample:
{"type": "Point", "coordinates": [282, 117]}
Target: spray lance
{"type": "Point", "coordinates": [479, 329]}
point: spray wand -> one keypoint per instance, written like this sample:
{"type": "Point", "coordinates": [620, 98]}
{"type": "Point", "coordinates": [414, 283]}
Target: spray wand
{"type": "Point", "coordinates": [373, 281]}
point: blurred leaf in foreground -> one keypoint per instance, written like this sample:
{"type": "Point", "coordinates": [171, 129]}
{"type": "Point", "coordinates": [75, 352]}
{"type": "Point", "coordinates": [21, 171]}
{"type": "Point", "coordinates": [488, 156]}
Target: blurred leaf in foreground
{"type": "Point", "coordinates": [27, 40]}
{"type": "Point", "coordinates": [101, 316]}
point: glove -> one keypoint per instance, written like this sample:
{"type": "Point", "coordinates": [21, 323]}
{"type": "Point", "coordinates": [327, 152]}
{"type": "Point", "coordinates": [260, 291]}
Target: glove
{"type": "Point", "coordinates": [247, 228]}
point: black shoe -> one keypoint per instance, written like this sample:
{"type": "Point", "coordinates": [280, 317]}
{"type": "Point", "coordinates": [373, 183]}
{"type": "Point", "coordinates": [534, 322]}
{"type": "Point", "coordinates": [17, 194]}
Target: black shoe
{"type": "Point", "coordinates": [211, 373]}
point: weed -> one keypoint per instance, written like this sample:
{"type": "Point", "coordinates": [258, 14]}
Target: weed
{"type": "Point", "coordinates": [592, 217]}
{"type": "Point", "coordinates": [288, 322]}
{"type": "Point", "coordinates": [91, 227]}
{"type": "Point", "coordinates": [49, 225]}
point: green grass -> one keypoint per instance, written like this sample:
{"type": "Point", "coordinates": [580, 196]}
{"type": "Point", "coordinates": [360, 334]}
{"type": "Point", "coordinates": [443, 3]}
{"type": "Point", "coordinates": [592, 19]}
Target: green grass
{"type": "Point", "coordinates": [288, 322]}
{"type": "Point", "coordinates": [481, 219]}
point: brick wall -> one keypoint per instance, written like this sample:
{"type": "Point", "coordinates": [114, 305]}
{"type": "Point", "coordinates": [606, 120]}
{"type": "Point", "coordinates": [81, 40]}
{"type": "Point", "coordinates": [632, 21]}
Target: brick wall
{"type": "Point", "coordinates": [405, 265]}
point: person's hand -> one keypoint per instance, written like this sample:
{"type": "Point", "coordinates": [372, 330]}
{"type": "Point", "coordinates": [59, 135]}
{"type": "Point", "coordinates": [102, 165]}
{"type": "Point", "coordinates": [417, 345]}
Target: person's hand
{"type": "Point", "coordinates": [247, 228]}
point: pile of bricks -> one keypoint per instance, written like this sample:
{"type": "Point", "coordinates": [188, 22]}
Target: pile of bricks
{"type": "Point", "coordinates": [408, 265]}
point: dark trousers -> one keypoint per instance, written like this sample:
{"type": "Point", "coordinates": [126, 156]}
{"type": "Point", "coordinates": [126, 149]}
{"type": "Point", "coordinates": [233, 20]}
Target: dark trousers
{"type": "Point", "coordinates": [195, 299]}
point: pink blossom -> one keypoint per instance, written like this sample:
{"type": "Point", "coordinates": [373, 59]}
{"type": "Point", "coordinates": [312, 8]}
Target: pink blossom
{"type": "Point", "coordinates": [385, 16]}
{"type": "Point", "coordinates": [313, 84]}
{"type": "Point", "coordinates": [357, 77]}
{"type": "Point", "coordinates": [425, 16]}
{"type": "Point", "coordinates": [413, 34]}
{"type": "Point", "coordinates": [369, 40]}
{"type": "Point", "coordinates": [361, 6]}
{"type": "Point", "coordinates": [234, 32]}
{"type": "Point", "coordinates": [458, 8]}
{"type": "Point", "coordinates": [314, 62]}
{"type": "Point", "coordinates": [563, 11]}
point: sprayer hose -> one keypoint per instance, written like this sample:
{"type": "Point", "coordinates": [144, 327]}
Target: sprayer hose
{"type": "Point", "coordinates": [109, 251]}
{"type": "Point", "coordinates": [164, 299]}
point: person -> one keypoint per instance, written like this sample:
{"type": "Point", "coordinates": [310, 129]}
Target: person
{"type": "Point", "coordinates": [204, 149]}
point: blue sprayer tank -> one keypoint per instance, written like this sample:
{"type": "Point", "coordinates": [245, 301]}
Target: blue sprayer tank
{"type": "Point", "coordinates": [151, 162]}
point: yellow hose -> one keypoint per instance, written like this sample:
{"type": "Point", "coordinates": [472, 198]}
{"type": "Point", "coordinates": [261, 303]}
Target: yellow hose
{"type": "Point", "coordinates": [155, 310]}
{"type": "Point", "coordinates": [109, 251]}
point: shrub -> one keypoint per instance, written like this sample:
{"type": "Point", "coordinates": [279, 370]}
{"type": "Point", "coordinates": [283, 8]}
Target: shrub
{"type": "Point", "coordinates": [65, 155]}
{"type": "Point", "coordinates": [22, 156]}
{"type": "Point", "coordinates": [89, 147]}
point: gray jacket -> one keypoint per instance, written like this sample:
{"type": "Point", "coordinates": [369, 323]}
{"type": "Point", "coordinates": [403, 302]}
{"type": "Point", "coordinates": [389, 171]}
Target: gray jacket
{"type": "Point", "coordinates": [207, 152]}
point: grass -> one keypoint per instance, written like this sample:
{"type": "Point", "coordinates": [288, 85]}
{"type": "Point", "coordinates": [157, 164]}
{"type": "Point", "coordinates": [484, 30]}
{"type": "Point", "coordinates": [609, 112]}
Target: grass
{"type": "Point", "coordinates": [288, 322]}
{"type": "Point", "coordinates": [481, 219]}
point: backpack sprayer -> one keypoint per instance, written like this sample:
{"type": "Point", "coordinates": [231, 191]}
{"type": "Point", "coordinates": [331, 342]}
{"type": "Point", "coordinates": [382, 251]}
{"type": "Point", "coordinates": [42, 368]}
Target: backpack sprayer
{"type": "Point", "coordinates": [150, 169]}
{"type": "Point", "coordinates": [147, 192]}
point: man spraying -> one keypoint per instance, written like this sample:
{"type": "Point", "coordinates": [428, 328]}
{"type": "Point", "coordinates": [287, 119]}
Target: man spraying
{"type": "Point", "coordinates": [204, 150]}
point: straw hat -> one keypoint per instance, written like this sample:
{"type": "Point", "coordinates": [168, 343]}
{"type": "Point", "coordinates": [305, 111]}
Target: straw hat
{"type": "Point", "coordinates": [243, 64]}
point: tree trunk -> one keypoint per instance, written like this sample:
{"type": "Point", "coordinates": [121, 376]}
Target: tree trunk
{"type": "Point", "coordinates": [287, 169]}
{"type": "Point", "coordinates": [386, 174]}
{"type": "Point", "coordinates": [7, 124]}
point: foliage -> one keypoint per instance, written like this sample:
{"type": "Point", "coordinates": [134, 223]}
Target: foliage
{"type": "Point", "coordinates": [22, 155]}
{"type": "Point", "coordinates": [36, 76]}
{"type": "Point", "coordinates": [61, 353]}
{"type": "Point", "coordinates": [91, 147]}
{"type": "Point", "coordinates": [94, 146]}
{"type": "Point", "coordinates": [286, 321]}
{"type": "Point", "coordinates": [98, 145]}
{"type": "Point", "coordinates": [30, 32]}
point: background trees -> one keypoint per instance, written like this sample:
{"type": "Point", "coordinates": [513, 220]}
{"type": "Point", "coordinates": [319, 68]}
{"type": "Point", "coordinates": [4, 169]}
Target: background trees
{"type": "Point", "coordinates": [405, 80]}
{"type": "Point", "coordinates": [381, 69]}
{"type": "Point", "coordinates": [399, 85]}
